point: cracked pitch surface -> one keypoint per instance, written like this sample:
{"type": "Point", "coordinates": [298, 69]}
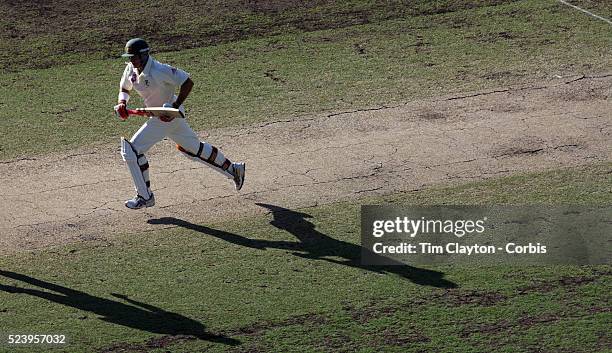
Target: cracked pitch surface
{"type": "Point", "coordinates": [313, 160]}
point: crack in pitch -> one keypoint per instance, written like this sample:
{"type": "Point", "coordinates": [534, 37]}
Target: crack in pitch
{"type": "Point", "coordinates": [95, 209]}
{"type": "Point", "coordinates": [96, 183]}
{"type": "Point", "coordinates": [368, 190]}
{"type": "Point", "coordinates": [497, 91]}
{"type": "Point", "coordinates": [383, 107]}
{"type": "Point", "coordinates": [65, 188]}
{"type": "Point", "coordinates": [534, 151]}
{"type": "Point", "coordinates": [19, 160]}
{"type": "Point", "coordinates": [255, 128]}
{"type": "Point", "coordinates": [582, 77]}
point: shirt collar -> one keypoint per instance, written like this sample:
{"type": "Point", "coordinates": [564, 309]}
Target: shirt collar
{"type": "Point", "coordinates": [147, 67]}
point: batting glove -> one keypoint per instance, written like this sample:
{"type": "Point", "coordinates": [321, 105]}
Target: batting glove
{"type": "Point", "coordinates": [165, 118]}
{"type": "Point", "coordinates": [121, 111]}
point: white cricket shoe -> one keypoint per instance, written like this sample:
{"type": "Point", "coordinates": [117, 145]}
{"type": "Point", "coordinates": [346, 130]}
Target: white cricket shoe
{"type": "Point", "coordinates": [239, 169]}
{"type": "Point", "coordinates": [139, 202]}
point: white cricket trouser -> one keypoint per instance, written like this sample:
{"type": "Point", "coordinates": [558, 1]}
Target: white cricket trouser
{"type": "Point", "coordinates": [155, 130]}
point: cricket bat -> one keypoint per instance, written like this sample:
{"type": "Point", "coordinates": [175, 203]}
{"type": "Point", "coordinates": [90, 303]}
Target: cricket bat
{"type": "Point", "coordinates": [156, 111]}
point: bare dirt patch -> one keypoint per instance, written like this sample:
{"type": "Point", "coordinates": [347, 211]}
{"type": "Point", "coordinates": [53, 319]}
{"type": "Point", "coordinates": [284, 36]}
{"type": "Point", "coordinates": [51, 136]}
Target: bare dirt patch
{"type": "Point", "coordinates": [374, 311]}
{"type": "Point", "coordinates": [258, 328]}
{"type": "Point", "coordinates": [567, 283]}
{"type": "Point", "coordinates": [151, 344]}
{"type": "Point", "coordinates": [513, 326]}
{"type": "Point", "coordinates": [308, 161]}
{"type": "Point", "coordinates": [472, 297]}
{"type": "Point", "coordinates": [394, 338]}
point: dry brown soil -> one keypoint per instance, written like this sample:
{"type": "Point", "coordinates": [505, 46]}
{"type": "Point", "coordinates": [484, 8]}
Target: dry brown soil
{"type": "Point", "coordinates": [78, 196]}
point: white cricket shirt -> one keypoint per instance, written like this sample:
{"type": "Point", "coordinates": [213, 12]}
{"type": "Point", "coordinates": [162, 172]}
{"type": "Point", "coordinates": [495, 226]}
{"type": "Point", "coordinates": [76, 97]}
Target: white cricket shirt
{"type": "Point", "coordinates": [156, 84]}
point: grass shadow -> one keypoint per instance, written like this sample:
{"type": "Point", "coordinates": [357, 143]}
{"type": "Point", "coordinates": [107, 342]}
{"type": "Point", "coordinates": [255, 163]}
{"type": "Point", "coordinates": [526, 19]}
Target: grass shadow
{"type": "Point", "coordinates": [138, 315]}
{"type": "Point", "coordinates": [314, 245]}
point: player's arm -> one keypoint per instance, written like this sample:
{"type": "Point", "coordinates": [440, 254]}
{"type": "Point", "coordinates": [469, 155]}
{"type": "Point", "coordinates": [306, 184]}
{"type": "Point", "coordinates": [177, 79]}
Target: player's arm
{"type": "Point", "coordinates": [183, 93]}
{"type": "Point", "coordinates": [121, 107]}
{"type": "Point", "coordinates": [122, 98]}
{"type": "Point", "coordinates": [125, 87]}
{"type": "Point", "coordinates": [176, 77]}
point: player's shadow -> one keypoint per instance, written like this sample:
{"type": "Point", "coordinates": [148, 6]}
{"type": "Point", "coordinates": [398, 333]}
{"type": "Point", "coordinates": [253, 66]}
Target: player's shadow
{"type": "Point", "coordinates": [315, 245]}
{"type": "Point", "coordinates": [138, 315]}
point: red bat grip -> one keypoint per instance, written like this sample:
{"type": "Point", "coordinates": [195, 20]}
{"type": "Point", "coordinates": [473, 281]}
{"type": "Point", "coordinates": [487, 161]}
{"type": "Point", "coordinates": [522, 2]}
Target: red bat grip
{"type": "Point", "coordinates": [137, 112]}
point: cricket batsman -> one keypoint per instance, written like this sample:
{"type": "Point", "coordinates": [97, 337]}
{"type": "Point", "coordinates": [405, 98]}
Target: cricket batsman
{"type": "Point", "coordinates": [157, 83]}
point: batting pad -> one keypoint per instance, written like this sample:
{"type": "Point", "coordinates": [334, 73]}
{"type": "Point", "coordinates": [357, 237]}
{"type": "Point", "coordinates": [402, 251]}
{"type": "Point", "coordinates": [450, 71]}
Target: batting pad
{"type": "Point", "coordinates": [139, 168]}
{"type": "Point", "coordinates": [211, 157]}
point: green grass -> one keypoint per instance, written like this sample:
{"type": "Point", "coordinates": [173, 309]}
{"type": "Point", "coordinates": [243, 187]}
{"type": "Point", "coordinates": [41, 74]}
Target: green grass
{"type": "Point", "coordinates": [446, 49]}
{"type": "Point", "coordinates": [585, 185]}
{"type": "Point", "coordinates": [66, 31]}
{"type": "Point", "coordinates": [250, 280]}
{"type": "Point", "coordinates": [253, 282]}
{"type": "Point", "coordinates": [598, 7]}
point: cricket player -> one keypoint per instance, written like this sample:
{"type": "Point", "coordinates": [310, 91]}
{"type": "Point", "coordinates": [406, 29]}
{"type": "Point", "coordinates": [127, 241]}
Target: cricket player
{"type": "Point", "coordinates": [157, 83]}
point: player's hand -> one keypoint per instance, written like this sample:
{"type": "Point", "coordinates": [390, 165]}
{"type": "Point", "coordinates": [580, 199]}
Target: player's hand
{"type": "Point", "coordinates": [121, 111]}
{"type": "Point", "coordinates": [165, 118]}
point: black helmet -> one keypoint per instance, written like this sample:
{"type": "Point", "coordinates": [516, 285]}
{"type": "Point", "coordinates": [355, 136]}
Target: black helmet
{"type": "Point", "coordinates": [135, 46]}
